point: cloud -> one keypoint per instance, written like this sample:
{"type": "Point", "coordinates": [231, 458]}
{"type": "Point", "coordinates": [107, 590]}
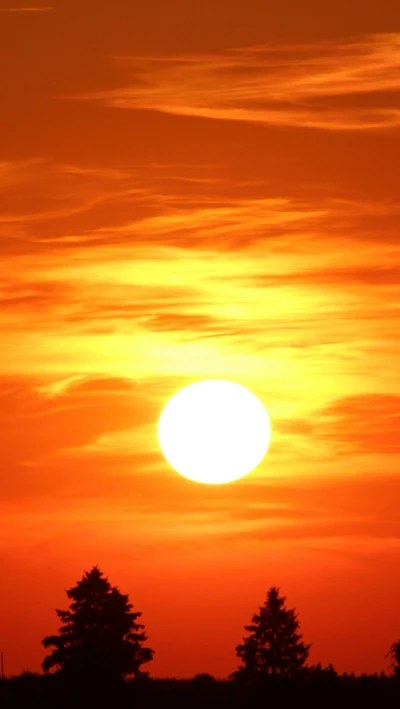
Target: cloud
{"type": "Point", "coordinates": [367, 423]}
{"type": "Point", "coordinates": [51, 191]}
{"type": "Point", "coordinates": [120, 289]}
{"type": "Point", "coordinates": [85, 385]}
{"type": "Point", "coordinates": [341, 85]}
{"type": "Point", "coordinates": [266, 291]}
{"type": "Point", "coordinates": [27, 9]}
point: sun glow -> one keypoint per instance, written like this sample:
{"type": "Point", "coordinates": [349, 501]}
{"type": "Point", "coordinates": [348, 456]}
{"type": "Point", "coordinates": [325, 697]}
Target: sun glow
{"type": "Point", "coordinates": [214, 431]}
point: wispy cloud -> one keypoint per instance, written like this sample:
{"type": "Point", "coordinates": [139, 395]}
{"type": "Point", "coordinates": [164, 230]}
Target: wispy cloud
{"type": "Point", "coordinates": [158, 283]}
{"type": "Point", "coordinates": [48, 191]}
{"type": "Point", "coordinates": [366, 423]}
{"type": "Point", "coordinates": [27, 9]}
{"type": "Point", "coordinates": [124, 288]}
{"type": "Point", "coordinates": [338, 85]}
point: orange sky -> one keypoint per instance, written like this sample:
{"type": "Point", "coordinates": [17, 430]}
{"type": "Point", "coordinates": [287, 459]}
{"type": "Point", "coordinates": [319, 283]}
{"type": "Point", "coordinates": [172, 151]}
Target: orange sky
{"type": "Point", "coordinates": [194, 190]}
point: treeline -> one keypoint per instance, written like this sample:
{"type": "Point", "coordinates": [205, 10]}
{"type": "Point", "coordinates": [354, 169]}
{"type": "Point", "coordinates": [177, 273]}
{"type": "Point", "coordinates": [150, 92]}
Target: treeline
{"type": "Point", "coordinates": [32, 691]}
{"type": "Point", "coordinates": [100, 653]}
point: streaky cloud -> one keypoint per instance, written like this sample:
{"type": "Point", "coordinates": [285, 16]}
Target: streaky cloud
{"type": "Point", "coordinates": [302, 85]}
{"type": "Point", "coordinates": [27, 9]}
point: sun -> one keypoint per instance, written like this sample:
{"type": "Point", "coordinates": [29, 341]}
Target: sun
{"type": "Point", "coordinates": [214, 431]}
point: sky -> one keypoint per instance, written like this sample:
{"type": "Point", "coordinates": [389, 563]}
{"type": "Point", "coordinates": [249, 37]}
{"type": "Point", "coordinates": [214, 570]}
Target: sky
{"type": "Point", "coordinates": [195, 190]}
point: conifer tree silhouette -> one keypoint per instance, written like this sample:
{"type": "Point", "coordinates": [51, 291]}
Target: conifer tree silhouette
{"type": "Point", "coordinates": [99, 638]}
{"type": "Point", "coordinates": [274, 646]}
{"type": "Point", "coordinates": [394, 654]}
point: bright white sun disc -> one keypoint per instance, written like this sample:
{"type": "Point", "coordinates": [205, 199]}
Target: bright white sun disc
{"type": "Point", "coordinates": [214, 431]}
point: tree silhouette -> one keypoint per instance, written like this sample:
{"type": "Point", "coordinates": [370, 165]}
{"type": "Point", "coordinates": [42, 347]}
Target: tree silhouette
{"type": "Point", "coordinates": [100, 638]}
{"type": "Point", "coordinates": [317, 673]}
{"type": "Point", "coordinates": [274, 645]}
{"type": "Point", "coordinates": [394, 653]}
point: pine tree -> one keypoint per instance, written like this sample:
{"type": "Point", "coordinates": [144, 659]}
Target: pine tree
{"type": "Point", "coordinates": [99, 638]}
{"type": "Point", "coordinates": [394, 654]}
{"type": "Point", "coordinates": [274, 646]}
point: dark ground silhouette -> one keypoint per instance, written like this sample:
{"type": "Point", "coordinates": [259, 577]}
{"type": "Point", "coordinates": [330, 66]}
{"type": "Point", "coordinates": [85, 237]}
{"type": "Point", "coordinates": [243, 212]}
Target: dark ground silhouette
{"type": "Point", "coordinates": [50, 692]}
